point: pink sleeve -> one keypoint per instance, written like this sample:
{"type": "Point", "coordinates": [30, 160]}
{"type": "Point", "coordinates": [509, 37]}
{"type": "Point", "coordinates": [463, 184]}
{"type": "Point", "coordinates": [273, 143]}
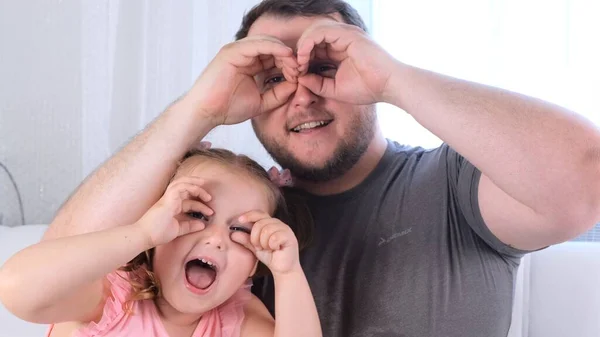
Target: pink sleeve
{"type": "Point", "coordinates": [119, 290]}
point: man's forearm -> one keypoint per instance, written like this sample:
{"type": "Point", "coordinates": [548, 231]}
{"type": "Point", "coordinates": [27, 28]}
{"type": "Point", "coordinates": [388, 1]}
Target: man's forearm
{"type": "Point", "coordinates": [542, 155]}
{"type": "Point", "coordinates": [123, 188]}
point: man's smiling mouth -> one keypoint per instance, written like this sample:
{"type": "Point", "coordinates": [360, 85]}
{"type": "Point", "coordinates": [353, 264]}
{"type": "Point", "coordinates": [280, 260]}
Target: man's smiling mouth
{"type": "Point", "coordinates": [310, 125]}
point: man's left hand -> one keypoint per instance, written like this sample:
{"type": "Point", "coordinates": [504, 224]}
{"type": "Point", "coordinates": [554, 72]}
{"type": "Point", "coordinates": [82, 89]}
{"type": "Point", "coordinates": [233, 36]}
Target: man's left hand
{"type": "Point", "coordinates": [364, 68]}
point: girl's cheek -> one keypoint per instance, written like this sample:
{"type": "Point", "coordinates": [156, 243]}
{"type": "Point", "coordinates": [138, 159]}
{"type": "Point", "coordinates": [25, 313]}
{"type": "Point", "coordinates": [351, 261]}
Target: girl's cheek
{"type": "Point", "coordinates": [247, 257]}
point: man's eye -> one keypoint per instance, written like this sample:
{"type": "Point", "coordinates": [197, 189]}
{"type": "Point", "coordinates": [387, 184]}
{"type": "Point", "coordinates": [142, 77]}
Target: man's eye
{"type": "Point", "coordinates": [197, 215]}
{"type": "Point", "coordinates": [274, 80]}
{"type": "Point", "coordinates": [240, 229]}
{"type": "Point", "coordinates": [325, 70]}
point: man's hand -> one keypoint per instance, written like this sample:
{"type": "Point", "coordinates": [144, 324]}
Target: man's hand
{"type": "Point", "coordinates": [227, 93]}
{"type": "Point", "coordinates": [364, 68]}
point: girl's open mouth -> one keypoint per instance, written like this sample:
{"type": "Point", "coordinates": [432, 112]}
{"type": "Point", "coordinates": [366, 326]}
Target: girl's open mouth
{"type": "Point", "coordinates": [200, 273]}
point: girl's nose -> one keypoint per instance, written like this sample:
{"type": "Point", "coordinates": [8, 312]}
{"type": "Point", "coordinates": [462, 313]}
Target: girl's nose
{"type": "Point", "coordinates": [215, 236]}
{"type": "Point", "coordinates": [214, 241]}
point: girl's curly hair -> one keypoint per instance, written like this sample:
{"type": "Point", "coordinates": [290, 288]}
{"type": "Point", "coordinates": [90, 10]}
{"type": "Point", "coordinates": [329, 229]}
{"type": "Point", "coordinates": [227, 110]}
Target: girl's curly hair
{"type": "Point", "coordinates": [290, 208]}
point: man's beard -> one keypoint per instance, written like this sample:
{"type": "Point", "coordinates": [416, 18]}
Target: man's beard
{"type": "Point", "coordinates": [344, 157]}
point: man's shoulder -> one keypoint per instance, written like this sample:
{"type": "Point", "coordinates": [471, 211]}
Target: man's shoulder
{"type": "Point", "coordinates": [416, 157]}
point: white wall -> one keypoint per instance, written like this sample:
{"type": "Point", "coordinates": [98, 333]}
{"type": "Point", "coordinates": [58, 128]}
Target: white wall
{"type": "Point", "coordinates": [40, 99]}
{"type": "Point", "coordinates": [79, 79]}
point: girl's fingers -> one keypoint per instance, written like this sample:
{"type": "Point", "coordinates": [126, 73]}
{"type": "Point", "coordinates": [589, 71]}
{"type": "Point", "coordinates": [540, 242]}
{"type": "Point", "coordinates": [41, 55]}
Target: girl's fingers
{"type": "Point", "coordinates": [190, 205]}
{"type": "Point", "coordinates": [253, 216]}
{"type": "Point", "coordinates": [244, 240]}
{"type": "Point", "coordinates": [255, 234]}
{"type": "Point", "coordinates": [266, 232]}
{"type": "Point", "coordinates": [190, 226]}
{"type": "Point", "coordinates": [277, 240]}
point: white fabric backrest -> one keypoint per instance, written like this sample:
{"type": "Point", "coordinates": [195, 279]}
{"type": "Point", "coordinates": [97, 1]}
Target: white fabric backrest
{"type": "Point", "coordinates": [13, 239]}
{"type": "Point", "coordinates": [564, 294]}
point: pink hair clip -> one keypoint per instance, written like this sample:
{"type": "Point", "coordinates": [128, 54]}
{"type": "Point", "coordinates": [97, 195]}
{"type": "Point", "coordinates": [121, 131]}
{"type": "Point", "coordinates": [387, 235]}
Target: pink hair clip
{"type": "Point", "coordinates": [281, 178]}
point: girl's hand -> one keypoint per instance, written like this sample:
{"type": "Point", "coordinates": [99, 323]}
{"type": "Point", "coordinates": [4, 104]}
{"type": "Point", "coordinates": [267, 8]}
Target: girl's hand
{"type": "Point", "coordinates": [168, 218]}
{"type": "Point", "coordinates": [272, 241]}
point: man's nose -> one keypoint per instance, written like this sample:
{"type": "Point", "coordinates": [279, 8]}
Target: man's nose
{"type": "Point", "coordinates": [303, 98]}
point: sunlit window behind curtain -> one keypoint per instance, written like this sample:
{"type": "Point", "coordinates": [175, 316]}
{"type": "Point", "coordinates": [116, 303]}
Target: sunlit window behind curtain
{"type": "Point", "coordinates": [546, 49]}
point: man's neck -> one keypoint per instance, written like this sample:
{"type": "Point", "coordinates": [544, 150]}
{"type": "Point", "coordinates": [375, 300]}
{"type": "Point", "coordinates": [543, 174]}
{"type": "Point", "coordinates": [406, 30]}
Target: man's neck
{"type": "Point", "coordinates": [357, 174]}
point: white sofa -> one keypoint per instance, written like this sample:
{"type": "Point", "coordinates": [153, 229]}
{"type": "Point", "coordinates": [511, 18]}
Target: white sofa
{"type": "Point", "coordinates": [557, 293]}
{"type": "Point", "coordinates": [11, 241]}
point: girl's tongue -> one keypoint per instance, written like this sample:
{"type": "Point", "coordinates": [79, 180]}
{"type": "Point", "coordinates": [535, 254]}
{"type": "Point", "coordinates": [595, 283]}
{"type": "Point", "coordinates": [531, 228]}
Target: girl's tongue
{"type": "Point", "coordinates": [199, 274]}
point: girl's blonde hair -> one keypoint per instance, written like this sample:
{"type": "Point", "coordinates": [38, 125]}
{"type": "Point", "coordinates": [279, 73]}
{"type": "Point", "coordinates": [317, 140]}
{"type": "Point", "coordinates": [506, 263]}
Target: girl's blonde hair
{"type": "Point", "coordinates": [290, 207]}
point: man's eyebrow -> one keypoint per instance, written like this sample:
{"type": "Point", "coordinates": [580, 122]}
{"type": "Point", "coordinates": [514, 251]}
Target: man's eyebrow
{"type": "Point", "coordinates": [270, 71]}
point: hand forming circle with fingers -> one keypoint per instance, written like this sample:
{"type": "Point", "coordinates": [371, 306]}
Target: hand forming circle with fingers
{"type": "Point", "coordinates": [227, 92]}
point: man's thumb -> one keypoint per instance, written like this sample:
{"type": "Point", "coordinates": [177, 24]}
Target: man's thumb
{"type": "Point", "coordinates": [276, 97]}
{"type": "Point", "coordinates": [319, 85]}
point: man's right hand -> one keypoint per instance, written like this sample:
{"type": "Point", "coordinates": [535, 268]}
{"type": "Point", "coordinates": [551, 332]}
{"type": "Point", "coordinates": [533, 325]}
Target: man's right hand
{"type": "Point", "coordinates": [227, 92]}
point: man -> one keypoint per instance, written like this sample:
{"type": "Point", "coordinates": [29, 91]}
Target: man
{"type": "Point", "coordinates": [407, 242]}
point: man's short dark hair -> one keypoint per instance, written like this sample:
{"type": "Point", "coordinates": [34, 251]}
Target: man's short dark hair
{"type": "Point", "coordinates": [291, 8]}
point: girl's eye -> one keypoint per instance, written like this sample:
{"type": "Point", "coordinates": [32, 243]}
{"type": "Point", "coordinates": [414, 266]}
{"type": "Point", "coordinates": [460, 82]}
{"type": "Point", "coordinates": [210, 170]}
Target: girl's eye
{"type": "Point", "coordinates": [197, 215]}
{"type": "Point", "coordinates": [240, 229]}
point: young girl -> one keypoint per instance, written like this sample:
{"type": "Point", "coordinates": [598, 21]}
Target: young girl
{"type": "Point", "coordinates": [190, 257]}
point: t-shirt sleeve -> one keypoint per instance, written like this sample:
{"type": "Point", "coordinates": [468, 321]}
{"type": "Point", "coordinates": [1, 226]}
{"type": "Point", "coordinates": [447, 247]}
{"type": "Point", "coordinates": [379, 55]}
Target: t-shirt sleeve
{"type": "Point", "coordinates": [464, 180]}
{"type": "Point", "coordinates": [117, 290]}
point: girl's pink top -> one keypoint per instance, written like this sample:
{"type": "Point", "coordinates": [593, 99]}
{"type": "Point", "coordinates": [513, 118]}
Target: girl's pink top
{"type": "Point", "coordinates": [143, 319]}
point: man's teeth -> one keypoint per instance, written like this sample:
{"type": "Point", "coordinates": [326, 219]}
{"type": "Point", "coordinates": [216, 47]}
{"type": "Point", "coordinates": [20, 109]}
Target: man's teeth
{"type": "Point", "coordinates": [309, 125]}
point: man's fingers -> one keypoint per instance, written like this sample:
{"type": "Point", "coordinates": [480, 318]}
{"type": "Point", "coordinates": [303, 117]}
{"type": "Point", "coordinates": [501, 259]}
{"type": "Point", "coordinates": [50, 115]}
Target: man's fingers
{"type": "Point", "coordinates": [290, 72]}
{"type": "Point", "coordinates": [319, 85]}
{"type": "Point", "coordinates": [320, 51]}
{"type": "Point", "coordinates": [277, 96]}
{"type": "Point", "coordinates": [291, 75]}
{"type": "Point", "coordinates": [257, 47]}
{"type": "Point", "coordinates": [256, 54]}
{"type": "Point", "coordinates": [336, 36]}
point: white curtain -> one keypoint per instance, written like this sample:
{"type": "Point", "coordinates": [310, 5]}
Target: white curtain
{"type": "Point", "coordinates": [547, 49]}
{"type": "Point", "coordinates": [139, 56]}
{"type": "Point", "coordinates": [80, 78]}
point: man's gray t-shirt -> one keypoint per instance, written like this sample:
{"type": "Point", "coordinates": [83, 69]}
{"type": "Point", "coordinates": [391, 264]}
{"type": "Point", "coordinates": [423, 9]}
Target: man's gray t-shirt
{"type": "Point", "coordinates": [407, 253]}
